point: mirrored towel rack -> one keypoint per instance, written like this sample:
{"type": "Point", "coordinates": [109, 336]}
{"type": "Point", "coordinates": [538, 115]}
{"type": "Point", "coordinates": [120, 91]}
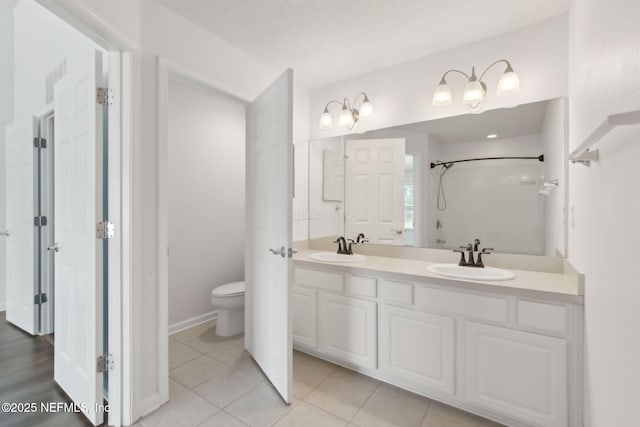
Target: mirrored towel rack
{"type": "Point", "coordinates": [584, 154]}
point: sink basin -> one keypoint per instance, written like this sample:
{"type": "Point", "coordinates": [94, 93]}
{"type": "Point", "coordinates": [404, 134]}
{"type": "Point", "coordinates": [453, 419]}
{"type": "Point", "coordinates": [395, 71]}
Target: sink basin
{"type": "Point", "coordinates": [334, 257]}
{"type": "Point", "coordinates": [470, 273]}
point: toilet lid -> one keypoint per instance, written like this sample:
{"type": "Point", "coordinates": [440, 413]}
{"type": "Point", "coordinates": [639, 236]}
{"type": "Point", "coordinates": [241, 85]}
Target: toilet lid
{"type": "Point", "coordinates": [229, 289]}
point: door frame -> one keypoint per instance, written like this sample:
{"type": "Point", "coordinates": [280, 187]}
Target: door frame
{"type": "Point", "coordinates": [168, 72]}
{"type": "Point", "coordinates": [124, 71]}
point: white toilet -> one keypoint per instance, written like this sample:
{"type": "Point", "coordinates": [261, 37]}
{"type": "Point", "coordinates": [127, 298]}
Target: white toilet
{"type": "Point", "coordinates": [229, 300]}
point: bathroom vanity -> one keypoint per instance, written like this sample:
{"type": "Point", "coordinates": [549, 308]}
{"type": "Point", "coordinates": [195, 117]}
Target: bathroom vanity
{"type": "Point", "coordinates": [508, 350]}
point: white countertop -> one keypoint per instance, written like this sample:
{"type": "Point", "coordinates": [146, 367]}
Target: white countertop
{"type": "Point", "coordinates": [548, 283]}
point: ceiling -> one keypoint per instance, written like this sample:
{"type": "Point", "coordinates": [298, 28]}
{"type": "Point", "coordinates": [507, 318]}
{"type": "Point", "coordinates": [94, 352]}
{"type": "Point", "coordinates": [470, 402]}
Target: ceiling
{"type": "Point", "coordinates": [330, 40]}
{"type": "Point", "coordinates": [505, 122]}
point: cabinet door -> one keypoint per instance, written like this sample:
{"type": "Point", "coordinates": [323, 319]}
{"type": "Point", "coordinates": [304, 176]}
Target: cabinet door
{"type": "Point", "coordinates": [348, 329]}
{"type": "Point", "coordinates": [516, 373]}
{"type": "Point", "coordinates": [305, 316]}
{"type": "Point", "coordinates": [418, 347]}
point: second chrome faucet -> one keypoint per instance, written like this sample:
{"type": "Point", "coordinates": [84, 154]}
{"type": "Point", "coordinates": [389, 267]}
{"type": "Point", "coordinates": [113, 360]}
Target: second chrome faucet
{"type": "Point", "coordinates": [345, 248]}
{"type": "Point", "coordinates": [471, 248]}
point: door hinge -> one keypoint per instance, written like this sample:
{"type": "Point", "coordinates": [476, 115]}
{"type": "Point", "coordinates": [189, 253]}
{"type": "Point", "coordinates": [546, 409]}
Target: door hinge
{"type": "Point", "coordinates": [40, 299]}
{"type": "Point", "coordinates": [39, 142]}
{"type": "Point", "coordinates": [104, 363]}
{"type": "Point", "coordinates": [105, 230]}
{"type": "Point", "coordinates": [40, 221]}
{"type": "Point", "coordinates": [104, 96]}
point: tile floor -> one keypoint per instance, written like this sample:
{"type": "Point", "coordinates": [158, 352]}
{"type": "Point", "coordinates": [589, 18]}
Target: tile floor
{"type": "Point", "coordinates": [215, 383]}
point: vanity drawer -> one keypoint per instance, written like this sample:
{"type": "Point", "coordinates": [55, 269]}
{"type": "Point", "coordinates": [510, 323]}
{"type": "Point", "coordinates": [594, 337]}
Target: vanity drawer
{"type": "Point", "coordinates": [481, 307]}
{"type": "Point", "coordinates": [319, 279]}
{"type": "Point", "coordinates": [543, 316]}
{"type": "Point", "coordinates": [398, 292]}
{"type": "Point", "coordinates": [362, 286]}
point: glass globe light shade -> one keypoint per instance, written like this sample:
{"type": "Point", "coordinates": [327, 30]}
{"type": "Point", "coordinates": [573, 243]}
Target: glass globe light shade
{"type": "Point", "coordinates": [326, 121]}
{"type": "Point", "coordinates": [346, 118]}
{"type": "Point", "coordinates": [442, 94]}
{"type": "Point", "coordinates": [509, 83]}
{"type": "Point", "coordinates": [473, 92]}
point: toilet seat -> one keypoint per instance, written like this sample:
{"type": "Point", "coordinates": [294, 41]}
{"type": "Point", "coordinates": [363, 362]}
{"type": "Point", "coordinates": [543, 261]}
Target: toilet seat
{"type": "Point", "coordinates": [229, 290]}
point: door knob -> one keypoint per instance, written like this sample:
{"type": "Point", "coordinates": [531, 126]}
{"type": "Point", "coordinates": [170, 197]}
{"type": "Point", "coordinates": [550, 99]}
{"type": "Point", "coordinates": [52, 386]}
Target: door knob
{"type": "Point", "coordinates": [398, 231]}
{"type": "Point", "coordinates": [5, 233]}
{"type": "Point", "coordinates": [282, 251]}
{"type": "Point", "coordinates": [54, 248]}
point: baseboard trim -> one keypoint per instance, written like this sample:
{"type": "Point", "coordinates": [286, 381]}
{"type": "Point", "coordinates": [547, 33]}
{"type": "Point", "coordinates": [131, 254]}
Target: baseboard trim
{"type": "Point", "coordinates": [3, 306]}
{"type": "Point", "coordinates": [189, 323]}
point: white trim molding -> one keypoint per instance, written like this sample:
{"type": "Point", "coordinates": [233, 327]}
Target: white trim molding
{"type": "Point", "coordinates": [194, 321]}
{"type": "Point", "coordinates": [3, 306]}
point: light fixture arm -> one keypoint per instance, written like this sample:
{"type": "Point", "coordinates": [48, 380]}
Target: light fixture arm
{"type": "Point", "coordinates": [443, 81]}
{"type": "Point", "coordinates": [364, 98]}
{"type": "Point", "coordinates": [326, 107]}
{"type": "Point", "coordinates": [497, 62]}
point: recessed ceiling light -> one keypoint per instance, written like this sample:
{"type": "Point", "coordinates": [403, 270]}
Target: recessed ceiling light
{"type": "Point", "coordinates": [492, 135]}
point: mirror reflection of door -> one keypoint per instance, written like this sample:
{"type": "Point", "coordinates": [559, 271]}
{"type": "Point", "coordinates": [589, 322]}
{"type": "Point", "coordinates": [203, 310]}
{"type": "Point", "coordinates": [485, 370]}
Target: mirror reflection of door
{"type": "Point", "coordinates": [374, 189]}
{"type": "Point", "coordinates": [497, 188]}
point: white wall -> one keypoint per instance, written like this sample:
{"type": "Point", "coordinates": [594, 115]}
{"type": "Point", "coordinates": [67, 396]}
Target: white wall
{"type": "Point", "coordinates": [206, 197]}
{"type": "Point", "coordinates": [554, 133]}
{"type": "Point", "coordinates": [603, 235]}
{"type": "Point", "coordinates": [496, 201]}
{"type": "Point", "coordinates": [37, 53]}
{"type": "Point", "coordinates": [402, 94]}
{"type": "Point", "coordinates": [6, 117]}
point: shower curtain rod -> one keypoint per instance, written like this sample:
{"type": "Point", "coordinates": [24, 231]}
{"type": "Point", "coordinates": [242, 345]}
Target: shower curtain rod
{"type": "Point", "coordinates": [539, 158]}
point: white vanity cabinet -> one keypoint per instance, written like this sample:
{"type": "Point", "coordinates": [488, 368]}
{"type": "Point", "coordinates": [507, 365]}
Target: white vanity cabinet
{"type": "Point", "coordinates": [518, 373]}
{"type": "Point", "coordinates": [305, 316]}
{"type": "Point", "coordinates": [348, 329]}
{"type": "Point", "coordinates": [506, 354]}
{"type": "Point", "coordinates": [418, 347]}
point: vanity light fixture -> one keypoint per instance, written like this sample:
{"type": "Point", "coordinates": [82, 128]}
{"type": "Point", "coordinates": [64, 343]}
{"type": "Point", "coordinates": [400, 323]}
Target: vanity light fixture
{"type": "Point", "coordinates": [349, 114]}
{"type": "Point", "coordinates": [475, 89]}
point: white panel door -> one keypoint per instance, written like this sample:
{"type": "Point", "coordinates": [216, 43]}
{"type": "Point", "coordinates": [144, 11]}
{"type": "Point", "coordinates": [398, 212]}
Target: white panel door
{"type": "Point", "coordinates": [418, 347]}
{"type": "Point", "coordinates": [268, 266]}
{"type": "Point", "coordinates": [79, 259]}
{"type": "Point", "coordinates": [516, 373]}
{"type": "Point", "coordinates": [347, 329]}
{"type": "Point", "coordinates": [20, 233]}
{"type": "Point", "coordinates": [374, 189]}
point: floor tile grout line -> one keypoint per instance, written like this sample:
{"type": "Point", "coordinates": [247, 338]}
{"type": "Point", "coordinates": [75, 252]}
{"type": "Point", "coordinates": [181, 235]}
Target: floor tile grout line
{"type": "Point", "coordinates": [326, 411]}
{"type": "Point", "coordinates": [424, 417]}
{"type": "Point", "coordinates": [234, 400]}
{"type": "Point", "coordinates": [291, 406]}
{"type": "Point", "coordinates": [341, 380]}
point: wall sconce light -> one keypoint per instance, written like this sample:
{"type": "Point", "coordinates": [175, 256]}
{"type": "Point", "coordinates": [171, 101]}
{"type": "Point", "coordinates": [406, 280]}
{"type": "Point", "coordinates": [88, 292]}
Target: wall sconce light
{"type": "Point", "coordinates": [475, 89]}
{"type": "Point", "coordinates": [349, 115]}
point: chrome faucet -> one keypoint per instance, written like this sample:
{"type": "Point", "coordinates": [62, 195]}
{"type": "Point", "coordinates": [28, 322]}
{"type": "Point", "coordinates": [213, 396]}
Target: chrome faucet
{"type": "Point", "coordinates": [361, 238]}
{"type": "Point", "coordinates": [342, 245]}
{"type": "Point", "coordinates": [471, 248]}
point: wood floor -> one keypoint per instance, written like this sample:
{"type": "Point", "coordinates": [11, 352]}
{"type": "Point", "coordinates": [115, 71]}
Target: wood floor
{"type": "Point", "coordinates": [26, 375]}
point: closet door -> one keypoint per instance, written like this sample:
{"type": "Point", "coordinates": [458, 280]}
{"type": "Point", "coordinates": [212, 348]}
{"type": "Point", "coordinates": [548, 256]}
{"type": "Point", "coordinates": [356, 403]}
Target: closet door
{"type": "Point", "coordinates": [20, 233]}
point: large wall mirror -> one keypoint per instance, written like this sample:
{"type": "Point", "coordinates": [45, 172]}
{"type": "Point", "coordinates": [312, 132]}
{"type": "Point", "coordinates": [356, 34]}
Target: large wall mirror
{"type": "Point", "coordinates": [499, 176]}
